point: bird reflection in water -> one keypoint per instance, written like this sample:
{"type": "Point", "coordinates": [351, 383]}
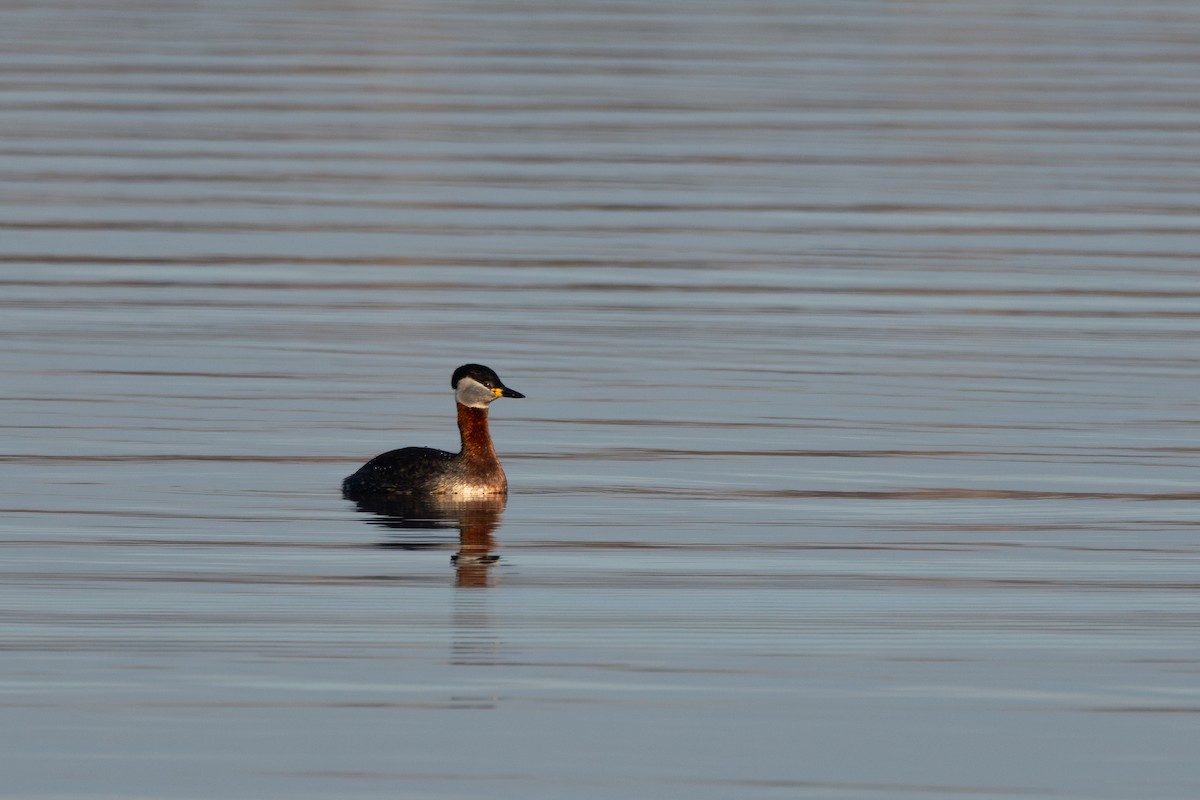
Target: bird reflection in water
{"type": "Point", "coordinates": [412, 518]}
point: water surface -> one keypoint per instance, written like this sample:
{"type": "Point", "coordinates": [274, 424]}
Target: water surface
{"type": "Point", "coordinates": [859, 457]}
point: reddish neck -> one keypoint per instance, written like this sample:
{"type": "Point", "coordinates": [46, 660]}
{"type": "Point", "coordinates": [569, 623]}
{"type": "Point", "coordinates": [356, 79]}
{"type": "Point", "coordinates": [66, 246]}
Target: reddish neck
{"type": "Point", "coordinates": [476, 441]}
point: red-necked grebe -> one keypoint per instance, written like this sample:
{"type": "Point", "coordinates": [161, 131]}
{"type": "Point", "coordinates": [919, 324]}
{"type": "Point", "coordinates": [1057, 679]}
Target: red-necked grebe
{"type": "Point", "coordinates": [422, 470]}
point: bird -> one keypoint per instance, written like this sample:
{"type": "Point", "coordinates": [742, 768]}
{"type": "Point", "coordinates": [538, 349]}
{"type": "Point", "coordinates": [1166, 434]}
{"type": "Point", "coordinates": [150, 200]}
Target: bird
{"type": "Point", "coordinates": [474, 471]}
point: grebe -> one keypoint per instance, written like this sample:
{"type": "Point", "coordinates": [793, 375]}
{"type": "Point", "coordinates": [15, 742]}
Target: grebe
{"type": "Point", "coordinates": [422, 470]}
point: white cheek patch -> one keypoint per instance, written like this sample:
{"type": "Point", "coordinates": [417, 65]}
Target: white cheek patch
{"type": "Point", "coordinates": [473, 394]}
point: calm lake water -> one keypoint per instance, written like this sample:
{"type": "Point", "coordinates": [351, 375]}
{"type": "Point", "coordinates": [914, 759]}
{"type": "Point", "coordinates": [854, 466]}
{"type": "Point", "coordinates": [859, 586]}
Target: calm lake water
{"type": "Point", "coordinates": [861, 454]}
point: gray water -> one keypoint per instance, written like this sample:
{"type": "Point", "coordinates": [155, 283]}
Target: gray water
{"type": "Point", "coordinates": [859, 457]}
